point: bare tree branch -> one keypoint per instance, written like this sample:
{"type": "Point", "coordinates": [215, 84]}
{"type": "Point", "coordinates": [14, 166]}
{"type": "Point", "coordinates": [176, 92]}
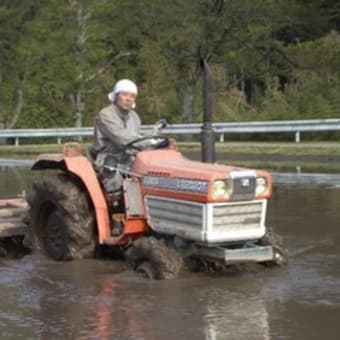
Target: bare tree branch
{"type": "Point", "coordinates": [108, 64]}
{"type": "Point", "coordinates": [20, 103]}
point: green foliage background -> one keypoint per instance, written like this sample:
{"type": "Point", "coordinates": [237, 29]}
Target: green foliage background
{"type": "Point", "coordinates": [269, 59]}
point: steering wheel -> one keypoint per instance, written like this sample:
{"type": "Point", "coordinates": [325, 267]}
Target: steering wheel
{"type": "Point", "coordinates": [162, 142]}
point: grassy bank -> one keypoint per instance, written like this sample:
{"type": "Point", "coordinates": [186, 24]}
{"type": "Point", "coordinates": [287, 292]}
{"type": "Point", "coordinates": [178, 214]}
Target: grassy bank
{"type": "Point", "coordinates": [10, 151]}
{"type": "Point", "coordinates": [309, 157]}
{"type": "Point", "coordinates": [279, 148]}
{"type": "Point", "coordinates": [317, 149]}
{"type": "Point", "coordinates": [245, 148]}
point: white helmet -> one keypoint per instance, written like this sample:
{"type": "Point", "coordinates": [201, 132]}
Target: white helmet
{"type": "Point", "coordinates": [123, 85]}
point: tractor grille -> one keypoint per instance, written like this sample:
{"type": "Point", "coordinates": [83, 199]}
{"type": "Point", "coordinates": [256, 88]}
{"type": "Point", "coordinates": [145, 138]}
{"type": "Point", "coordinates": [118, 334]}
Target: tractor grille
{"type": "Point", "coordinates": [244, 188]}
{"type": "Point", "coordinates": [245, 216]}
{"type": "Point", "coordinates": [207, 222]}
{"type": "Point", "coordinates": [174, 213]}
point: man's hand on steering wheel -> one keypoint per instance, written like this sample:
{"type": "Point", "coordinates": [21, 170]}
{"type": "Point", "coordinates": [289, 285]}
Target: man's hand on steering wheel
{"type": "Point", "coordinates": [148, 143]}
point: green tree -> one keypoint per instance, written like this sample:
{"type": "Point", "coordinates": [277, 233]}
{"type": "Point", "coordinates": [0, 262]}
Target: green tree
{"type": "Point", "coordinates": [15, 59]}
{"type": "Point", "coordinates": [270, 59]}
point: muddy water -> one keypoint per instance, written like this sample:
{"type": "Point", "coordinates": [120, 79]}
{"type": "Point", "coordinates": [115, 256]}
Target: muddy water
{"type": "Point", "coordinates": [42, 299]}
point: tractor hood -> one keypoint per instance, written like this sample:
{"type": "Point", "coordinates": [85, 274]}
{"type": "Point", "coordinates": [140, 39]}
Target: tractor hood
{"type": "Point", "coordinates": [172, 163]}
{"type": "Point", "coordinates": [169, 173]}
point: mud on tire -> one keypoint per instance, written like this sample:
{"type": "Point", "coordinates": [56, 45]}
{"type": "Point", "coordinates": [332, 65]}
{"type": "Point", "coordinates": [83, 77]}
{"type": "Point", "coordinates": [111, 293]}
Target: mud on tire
{"type": "Point", "coordinates": [153, 259]}
{"type": "Point", "coordinates": [280, 253]}
{"type": "Point", "coordinates": [12, 247]}
{"type": "Point", "coordinates": [61, 221]}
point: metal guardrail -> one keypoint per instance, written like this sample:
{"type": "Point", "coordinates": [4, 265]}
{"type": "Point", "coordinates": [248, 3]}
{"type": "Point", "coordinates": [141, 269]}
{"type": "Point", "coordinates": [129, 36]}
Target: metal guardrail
{"type": "Point", "coordinates": [293, 126]}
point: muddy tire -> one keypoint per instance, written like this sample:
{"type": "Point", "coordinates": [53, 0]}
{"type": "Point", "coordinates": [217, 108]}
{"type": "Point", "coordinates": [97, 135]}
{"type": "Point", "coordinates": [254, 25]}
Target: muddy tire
{"type": "Point", "coordinates": [280, 253]}
{"type": "Point", "coordinates": [13, 248]}
{"type": "Point", "coordinates": [61, 221]}
{"type": "Point", "coordinates": [153, 259]}
{"type": "Point", "coordinates": [201, 265]}
{"type": "Point", "coordinates": [147, 270]}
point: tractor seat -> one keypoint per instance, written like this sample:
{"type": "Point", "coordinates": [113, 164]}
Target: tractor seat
{"type": "Point", "coordinates": [72, 149]}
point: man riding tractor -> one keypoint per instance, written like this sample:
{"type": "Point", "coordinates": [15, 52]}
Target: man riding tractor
{"type": "Point", "coordinates": [147, 200]}
{"type": "Point", "coordinates": [116, 126]}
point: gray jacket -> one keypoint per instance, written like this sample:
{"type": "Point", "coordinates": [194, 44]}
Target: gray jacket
{"type": "Point", "coordinates": [112, 132]}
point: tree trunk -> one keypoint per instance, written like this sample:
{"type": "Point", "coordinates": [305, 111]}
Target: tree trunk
{"type": "Point", "coordinates": [78, 98]}
{"type": "Point", "coordinates": [187, 99]}
{"type": "Point", "coordinates": [5, 123]}
{"type": "Point", "coordinates": [242, 82]}
{"type": "Point", "coordinates": [1, 104]}
{"type": "Point", "coordinates": [19, 104]}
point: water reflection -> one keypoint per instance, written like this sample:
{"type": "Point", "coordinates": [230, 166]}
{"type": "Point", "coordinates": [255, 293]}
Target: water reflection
{"type": "Point", "coordinates": [127, 307]}
{"type": "Point", "coordinates": [116, 314]}
{"type": "Point", "coordinates": [15, 163]}
{"type": "Point", "coordinates": [43, 299]}
{"type": "Point", "coordinates": [14, 181]}
{"type": "Point", "coordinates": [236, 315]}
{"type": "Point", "coordinates": [306, 179]}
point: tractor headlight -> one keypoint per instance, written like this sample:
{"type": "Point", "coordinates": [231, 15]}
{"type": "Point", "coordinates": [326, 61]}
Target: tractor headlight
{"type": "Point", "coordinates": [261, 186]}
{"type": "Point", "coordinates": [222, 189]}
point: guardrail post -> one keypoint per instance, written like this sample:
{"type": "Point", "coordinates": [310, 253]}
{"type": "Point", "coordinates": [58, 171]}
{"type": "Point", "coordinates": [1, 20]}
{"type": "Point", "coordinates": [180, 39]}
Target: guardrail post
{"type": "Point", "coordinates": [208, 141]}
{"type": "Point", "coordinates": [297, 137]}
{"type": "Point", "coordinates": [16, 142]}
{"type": "Point", "coordinates": [59, 140]}
{"type": "Point", "coordinates": [221, 137]}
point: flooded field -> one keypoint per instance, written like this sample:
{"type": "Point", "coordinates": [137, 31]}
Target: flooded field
{"type": "Point", "coordinates": [42, 299]}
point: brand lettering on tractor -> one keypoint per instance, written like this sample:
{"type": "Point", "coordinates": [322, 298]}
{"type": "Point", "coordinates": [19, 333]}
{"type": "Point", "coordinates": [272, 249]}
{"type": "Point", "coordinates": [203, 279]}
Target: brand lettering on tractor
{"type": "Point", "coordinates": [180, 184]}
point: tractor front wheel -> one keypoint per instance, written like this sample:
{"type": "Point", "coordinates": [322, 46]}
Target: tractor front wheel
{"type": "Point", "coordinates": [280, 253]}
{"type": "Point", "coordinates": [153, 259]}
{"type": "Point", "coordinates": [61, 223]}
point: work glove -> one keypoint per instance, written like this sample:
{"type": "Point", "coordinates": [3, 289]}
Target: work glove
{"type": "Point", "coordinates": [153, 141]}
{"type": "Point", "coordinates": [161, 124]}
{"type": "Point", "coordinates": [146, 144]}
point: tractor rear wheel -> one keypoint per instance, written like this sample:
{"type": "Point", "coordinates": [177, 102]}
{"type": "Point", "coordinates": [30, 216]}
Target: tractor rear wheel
{"type": "Point", "coordinates": [153, 259]}
{"type": "Point", "coordinates": [61, 222]}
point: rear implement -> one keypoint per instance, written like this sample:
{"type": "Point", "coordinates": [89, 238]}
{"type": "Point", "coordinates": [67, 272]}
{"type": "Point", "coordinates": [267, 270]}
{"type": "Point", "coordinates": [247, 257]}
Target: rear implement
{"type": "Point", "coordinates": [12, 213]}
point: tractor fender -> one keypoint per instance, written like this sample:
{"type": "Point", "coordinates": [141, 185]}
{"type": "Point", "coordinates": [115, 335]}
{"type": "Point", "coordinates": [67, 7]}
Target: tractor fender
{"type": "Point", "coordinates": [81, 167]}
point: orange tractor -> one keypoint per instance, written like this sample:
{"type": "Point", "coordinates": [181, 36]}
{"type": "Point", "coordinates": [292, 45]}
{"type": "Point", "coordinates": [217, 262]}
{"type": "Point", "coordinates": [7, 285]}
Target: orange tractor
{"type": "Point", "coordinates": [170, 211]}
